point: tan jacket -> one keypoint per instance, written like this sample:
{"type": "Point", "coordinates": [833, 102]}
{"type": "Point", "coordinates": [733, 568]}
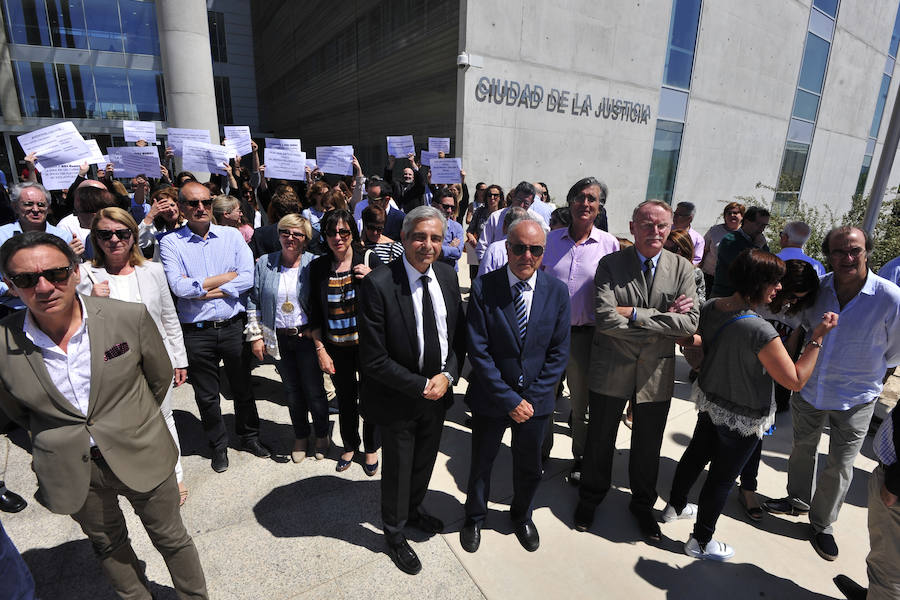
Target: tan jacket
{"type": "Point", "coordinates": [637, 358]}
{"type": "Point", "coordinates": [123, 411]}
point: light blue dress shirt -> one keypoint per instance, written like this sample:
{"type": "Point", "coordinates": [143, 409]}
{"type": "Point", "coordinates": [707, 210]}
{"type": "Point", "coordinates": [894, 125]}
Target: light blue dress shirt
{"type": "Point", "coordinates": [188, 259]}
{"type": "Point", "coordinates": [856, 353]}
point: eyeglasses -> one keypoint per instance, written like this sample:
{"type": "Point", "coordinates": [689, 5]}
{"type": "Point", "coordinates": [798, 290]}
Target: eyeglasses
{"type": "Point", "coordinates": [519, 249]}
{"type": "Point", "coordinates": [447, 206]}
{"type": "Point", "coordinates": [375, 228]}
{"type": "Point", "coordinates": [38, 205]}
{"type": "Point", "coordinates": [29, 280]}
{"type": "Point", "coordinates": [344, 233]}
{"type": "Point", "coordinates": [196, 203]}
{"type": "Point", "coordinates": [299, 235]}
{"type": "Point", "coordinates": [851, 253]}
{"type": "Point", "coordinates": [106, 234]}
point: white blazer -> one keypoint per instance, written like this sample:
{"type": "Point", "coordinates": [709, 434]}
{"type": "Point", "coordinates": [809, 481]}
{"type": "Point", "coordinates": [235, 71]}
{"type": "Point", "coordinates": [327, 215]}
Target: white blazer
{"type": "Point", "coordinates": [154, 289]}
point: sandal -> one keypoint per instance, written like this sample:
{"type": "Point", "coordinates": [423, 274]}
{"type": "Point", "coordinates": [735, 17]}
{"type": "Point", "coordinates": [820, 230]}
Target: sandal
{"type": "Point", "coordinates": [183, 492]}
{"type": "Point", "coordinates": [754, 513]}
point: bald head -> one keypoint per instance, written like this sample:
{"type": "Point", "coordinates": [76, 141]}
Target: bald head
{"type": "Point", "coordinates": [91, 183]}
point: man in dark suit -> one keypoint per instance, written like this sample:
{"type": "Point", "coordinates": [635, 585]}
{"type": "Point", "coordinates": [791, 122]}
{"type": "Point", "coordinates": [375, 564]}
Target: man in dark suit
{"type": "Point", "coordinates": [644, 300]}
{"type": "Point", "coordinates": [409, 339]}
{"type": "Point", "coordinates": [85, 376]}
{"type": "Point", "coordinates": [518, 341]}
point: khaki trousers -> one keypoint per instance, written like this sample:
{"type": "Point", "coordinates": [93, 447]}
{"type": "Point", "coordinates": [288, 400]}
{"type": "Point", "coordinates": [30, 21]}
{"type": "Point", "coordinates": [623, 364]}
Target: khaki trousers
{"type": "Point", "coordinates": [884, 537]}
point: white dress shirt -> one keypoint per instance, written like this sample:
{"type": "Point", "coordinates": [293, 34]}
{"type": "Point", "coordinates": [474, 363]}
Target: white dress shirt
{"type": "Point", "coordinates": [527, 295]}
{"type": "Point", "coordinates": [440, 310]}
{"type": "Point", "coordinates": [493, 229]}
{"type": "Point", "coordinates": [70, 369]}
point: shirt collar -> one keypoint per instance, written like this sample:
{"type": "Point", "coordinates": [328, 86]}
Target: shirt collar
{"type": "Point", "coordinates": [40, 339]}
{"type": "Point", "coordinates": [595, 235]}
{"type": "Point", "coordinates": [513, 279]}
{"type": "Point", "coordinates": [869, 288]}
{"type": "Point", "coordinates": [643, 259]}
{"type": "Point", "coordinates": [189, 233]}
{"type": "Point", "coordinates": [413, 274]}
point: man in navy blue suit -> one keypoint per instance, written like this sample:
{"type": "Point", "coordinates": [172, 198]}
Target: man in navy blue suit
{"type": "Point", "coordinates": [518, 343]}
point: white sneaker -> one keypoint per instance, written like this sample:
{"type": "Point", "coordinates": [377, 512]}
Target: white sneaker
{"type": "Point", "coordinates": [714, 550]}
{"type": "Point", "coordinates": [669, 514]}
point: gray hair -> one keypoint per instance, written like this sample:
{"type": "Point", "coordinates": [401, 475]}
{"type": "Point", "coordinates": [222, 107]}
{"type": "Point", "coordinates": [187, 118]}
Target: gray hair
{"type": "Point", "coordinates": [688, 206]}
{"type": "Point", "coordinates": [663, 205]}
{"type": "Point", "coordinates": [797, 232]}
{"type": "Point", "coordinates": [513, 213]}
{"type": "Point", "coordinates": [522, 221]}
{"type": "Point", "coordinates": [16, 190]}
{"type": "Point", "coordinates": [224, 203]}
{"type": "Point", "coordinates": [422, 213]}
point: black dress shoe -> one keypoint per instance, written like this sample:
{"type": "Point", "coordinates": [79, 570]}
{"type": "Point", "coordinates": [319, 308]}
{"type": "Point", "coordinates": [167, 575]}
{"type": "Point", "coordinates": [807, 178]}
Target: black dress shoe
{"type": "Point", "coordinates": [825, 545]}
{"type": "Point", "coordinates": [11, 502]}
{"type": "Point", "coordinates": [425, 522]}
{"type": "Point", "coordinates": [404, 557]}
{"type": "Point", "coordinates": [256, 448]}
{"type": "Point", "coordinates": [220, 460]}
{"type": "Point", "coordinates": [528, 536]}
{"type": "Point", "coordinates": [470, 536]}
{"type": "Point", "coordinates": [584, 516]}
{"type": "Point", "coordinates": [648, 524]}
{"type": "Point", "coordinates": [849, 588]}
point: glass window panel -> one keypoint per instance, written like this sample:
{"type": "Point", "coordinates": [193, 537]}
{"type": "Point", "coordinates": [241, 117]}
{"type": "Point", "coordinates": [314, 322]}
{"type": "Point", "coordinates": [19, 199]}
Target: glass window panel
{"type": "Point", "coordinates": [895, 36]}
{"type": "Point", "coordinates": [679, 65]}
{"type": "Point", "coordinates": [829, 7]}
{"type": "Point", "coordinates": [792, 167]}
{"type": "Point", "coordinates": [821, 25]}
{"type": "Point", "coordinates": [139, 25]}
{"type": "Point", "coordinates": [889, 66]}
{"type": "Point", "coordinates": [685, 18]}
{"type": "Point", "coordinates": [800, 131]}
{"type": "Point", "coordinates": [223, 100]}
{"type": "Point", "coordinates": [870, 147]}
{"type": "Point", "coordinates": [217, 36]}
{"type": "Point", "coordinates": [38, 95]}
{"type": "Point", "coordinates": [76, 87]}
{"type": "Point", "coordinates": [879, 106]}
{"type": "Point", "coordinates": [148, 94]}
{"type": "Point", "coordinates": [783, 201]}
{"type": "Point", "coordinates": [664, 161]}
{"type": "Point", "coordinates": [67, 25]}
{"type": "Point", "coordinates": [113, 99]}
{"type": "Point", "coordinates": [863, 175]}
{"type": "Point", "coordinates": [104, 30]}
{"type": "Point", "coordinates": [672, 104]}
{"type": "Point", "coordinates": [815, 59]}
{"type": "Point", "coordinates": [28, 22]}
{"type": "Point", "coordinates": [805, 105]}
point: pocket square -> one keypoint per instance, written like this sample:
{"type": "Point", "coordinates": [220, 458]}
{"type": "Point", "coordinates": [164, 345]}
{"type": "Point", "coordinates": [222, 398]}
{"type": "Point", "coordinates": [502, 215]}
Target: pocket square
{"type": "Point", "coordinates": [117, 350]}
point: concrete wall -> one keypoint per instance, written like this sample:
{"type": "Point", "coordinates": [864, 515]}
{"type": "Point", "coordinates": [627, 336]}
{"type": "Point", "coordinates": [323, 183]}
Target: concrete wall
{"type": "Point", "coordinates": [240, 68]}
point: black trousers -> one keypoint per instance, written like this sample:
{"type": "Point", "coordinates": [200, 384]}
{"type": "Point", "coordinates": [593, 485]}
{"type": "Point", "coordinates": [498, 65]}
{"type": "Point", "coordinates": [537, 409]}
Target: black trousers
{"type": "Point", "coordinates": [527, 438]}
{"type": "Point", "coordinates": [346, 388]}
{"type": "Point", "coordinates": [649, 424]}
{"type": "Point", "coordinates": [409, 450]}
{"type": "Point", "coordinates": [205, 347]}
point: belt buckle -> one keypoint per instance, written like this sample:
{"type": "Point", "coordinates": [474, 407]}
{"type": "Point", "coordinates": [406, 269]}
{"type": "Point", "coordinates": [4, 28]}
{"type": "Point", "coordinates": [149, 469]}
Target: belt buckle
{"type": "Point", "coordinates": [294, 331]}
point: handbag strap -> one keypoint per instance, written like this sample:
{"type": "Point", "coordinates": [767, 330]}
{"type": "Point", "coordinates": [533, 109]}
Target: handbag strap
{"type": "Point", "coordinates": [726, 324]}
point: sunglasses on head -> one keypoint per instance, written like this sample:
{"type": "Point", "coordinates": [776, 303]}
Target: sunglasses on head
{"type": "Point", "coordinates": [106, 234]}
{"type": "Point", "coordinates": [344, 233]}
{"type": "Point", "coordinates": [29, 280]}
{"type": "Point", "coordinates": [519, 249]}
{"type": "Point", "coordinates": [196, 203]}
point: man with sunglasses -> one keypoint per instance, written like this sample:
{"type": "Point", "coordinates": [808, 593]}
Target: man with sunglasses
{"type": "Point", "coordinates": [518, 342]}
{"type": "Point", "coordinates": [452, 247]}
{"type": "Point", "coordinates": [86, 376]}
{"type": "Point", "coordinates": [645, 299]}
{"type": "Point", "coordinates": [209, 269]}
{"type": "Point", "coordinates": [844, 385]}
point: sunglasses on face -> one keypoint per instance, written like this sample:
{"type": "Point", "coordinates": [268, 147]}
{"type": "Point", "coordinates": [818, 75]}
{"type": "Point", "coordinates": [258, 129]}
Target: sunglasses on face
{"type": "Point", "coordinates": [344, 233]}
{"type": "Point", "coordinates": [447, 206]}
{"type": "Point", "coordinates": [106, 234]}
{"type": "Point", "coordinates": [196, 203]}
{"type": "Point", "coordinates": [299, 235]}
{"type": "Point", "coordinates": [29, 280]}
{"type": "Point", "coordinates": [519, 249]}
{"type": "Point", "coordinates": [38, 205]}
{"type": "Point", "coordinates": [375, 228]}
{"type": "Point", "coordinates": [494, 195]}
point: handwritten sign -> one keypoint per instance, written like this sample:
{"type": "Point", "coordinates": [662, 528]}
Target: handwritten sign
{"type": "Point", "coordinates": [55, 145]}
{"type": "Point", "coordinates": [446, 170]}
{"type": "Point", "coordinates": [335, 159]}
{"type": "Point", "coordinates": [197, 156]}
{"type": "Point", "coordinates": [178, 136]}
{"type": "Point", "coordinates": [285, 164]}
{"type": "Point", "coordinates": [436, 144]}
{"type": "Point", "coordinates": [400, 145]}
{"type": "Point", "coordinates": [139, 130]}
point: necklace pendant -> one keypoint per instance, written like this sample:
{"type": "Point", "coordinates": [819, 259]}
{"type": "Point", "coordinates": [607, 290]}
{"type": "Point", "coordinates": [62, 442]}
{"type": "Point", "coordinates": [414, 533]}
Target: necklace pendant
{"type": "Point", "coordinates": [287, 307]}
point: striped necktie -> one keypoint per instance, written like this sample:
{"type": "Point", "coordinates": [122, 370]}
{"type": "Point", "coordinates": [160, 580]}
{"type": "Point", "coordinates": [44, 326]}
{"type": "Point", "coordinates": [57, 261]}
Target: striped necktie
{"type": "Point", "coordinates": [519, 301]}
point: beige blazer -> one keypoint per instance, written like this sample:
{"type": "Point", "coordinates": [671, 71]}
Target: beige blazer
{"type": "Point", "coordinates": [123, 413]}
{"type": "Point", "coordinates": [637, 358]}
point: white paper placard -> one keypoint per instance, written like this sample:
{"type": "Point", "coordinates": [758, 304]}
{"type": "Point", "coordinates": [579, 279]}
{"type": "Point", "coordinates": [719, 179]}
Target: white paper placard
{"type": "Point", "coordinates": [139, 130]}
{"type": "Point", "coordinates": [131, 161]}
{"type": "Point", "coordinates": [400, 145]}
{"type": "Point", "coordinates": [335, 159]}
{"type": "Point", "coordinates": [197, 156]}
{"type": "Point", "coordinates": [439, 145]}
{"type": "Point", "coordinates": [283, 143]}
{"type": "Point", "coordinates": [285, 164]}
{"type": "Point", "coordinates": [178, 136]}
{"type": "Point", "coordinates": [239, 136]}
{"type": "Point", "coordinates": [446, 170]}
{"type": "Point", "coordinates": [60, 177]}
{"type": "Point", "coordinates": [311, 163]}
{"type": "Point", "coordinates": [96, 157]}
{"type": "Point", "coordinates": [55, 145]}
{"type": "Point", "coordinates": [427, 157]}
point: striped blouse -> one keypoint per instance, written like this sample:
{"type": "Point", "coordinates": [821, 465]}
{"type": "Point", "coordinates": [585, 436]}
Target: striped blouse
{"type": "Point", "coordinates": [387, 252]}
{"type": "Point", "coordinates": [342, 310]}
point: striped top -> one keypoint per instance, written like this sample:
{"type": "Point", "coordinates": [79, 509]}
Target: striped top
{"type": "Point", "coordinates": [342, 310]}
{"type": "Point", "coordinates": [387, 252]}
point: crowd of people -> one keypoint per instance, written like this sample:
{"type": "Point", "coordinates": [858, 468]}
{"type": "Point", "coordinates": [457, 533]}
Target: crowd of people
{"type": "Point", "coordinates": [353, 282]}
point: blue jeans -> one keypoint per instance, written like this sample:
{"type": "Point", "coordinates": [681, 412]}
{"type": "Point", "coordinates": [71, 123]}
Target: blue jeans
{"type": "Point", "coordinates": [726, 452]}
{"type": "Point", "coordinates": [304, 389]}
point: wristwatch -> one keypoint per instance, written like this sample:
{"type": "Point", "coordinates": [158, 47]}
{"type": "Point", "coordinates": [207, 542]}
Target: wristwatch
{"type": "Point", "coordinates": [449, 377]}
{"type": "Point", "coordinates": [814, 343]}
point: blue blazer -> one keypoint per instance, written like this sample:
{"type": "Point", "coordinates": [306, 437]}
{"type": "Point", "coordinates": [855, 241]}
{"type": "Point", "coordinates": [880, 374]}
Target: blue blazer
{"type": "Point", "coordinates": [504, 369]}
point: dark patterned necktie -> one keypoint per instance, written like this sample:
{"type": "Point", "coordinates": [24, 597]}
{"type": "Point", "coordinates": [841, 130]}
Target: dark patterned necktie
{"type": "Point", "coordinates": [648, 274]}
{"type": "Point", "coordinates": [431, 346]}
{"type": "Point", "coordinates": [519, 302]}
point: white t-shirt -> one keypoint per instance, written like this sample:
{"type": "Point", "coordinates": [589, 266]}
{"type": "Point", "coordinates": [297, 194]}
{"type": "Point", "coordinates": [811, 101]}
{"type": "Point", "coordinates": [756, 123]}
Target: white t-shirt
{"type": "Point", "coordinates": [70, 224]}
{"type": "Point", "coordinates": [124, 287]}
{"type": "Point", "coordinates": [287, 292]}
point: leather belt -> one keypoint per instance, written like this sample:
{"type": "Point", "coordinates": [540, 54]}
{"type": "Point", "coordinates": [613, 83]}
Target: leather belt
{"type": "Point", "coordinates": [213, 324]}
{"type": "Point", "coordinates": [291, 331]}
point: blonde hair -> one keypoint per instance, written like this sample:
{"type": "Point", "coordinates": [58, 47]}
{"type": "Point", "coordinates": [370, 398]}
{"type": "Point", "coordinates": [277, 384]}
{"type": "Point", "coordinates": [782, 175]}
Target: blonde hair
{"type": "Point", "coordinates": [295, 221]}
{"type": "Point", "coordinates": [223, 204]}
{"type": "Point", "coordinates": [123, 217]}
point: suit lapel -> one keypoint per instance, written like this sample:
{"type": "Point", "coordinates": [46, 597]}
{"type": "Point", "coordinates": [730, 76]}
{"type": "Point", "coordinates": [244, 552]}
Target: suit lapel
{"type": "Point", "coordinates": [449, 302]}
{"type": "Point", "coordinates": [98, 333]}
{"type": "Point", "coordinates": [404, 301]}
{"type": "Point", "coordinates": [639, 283]}
{"type": "Point", "coordinates": [509, 309]}
{"type": "Point", "coordinates": [538, 301]}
